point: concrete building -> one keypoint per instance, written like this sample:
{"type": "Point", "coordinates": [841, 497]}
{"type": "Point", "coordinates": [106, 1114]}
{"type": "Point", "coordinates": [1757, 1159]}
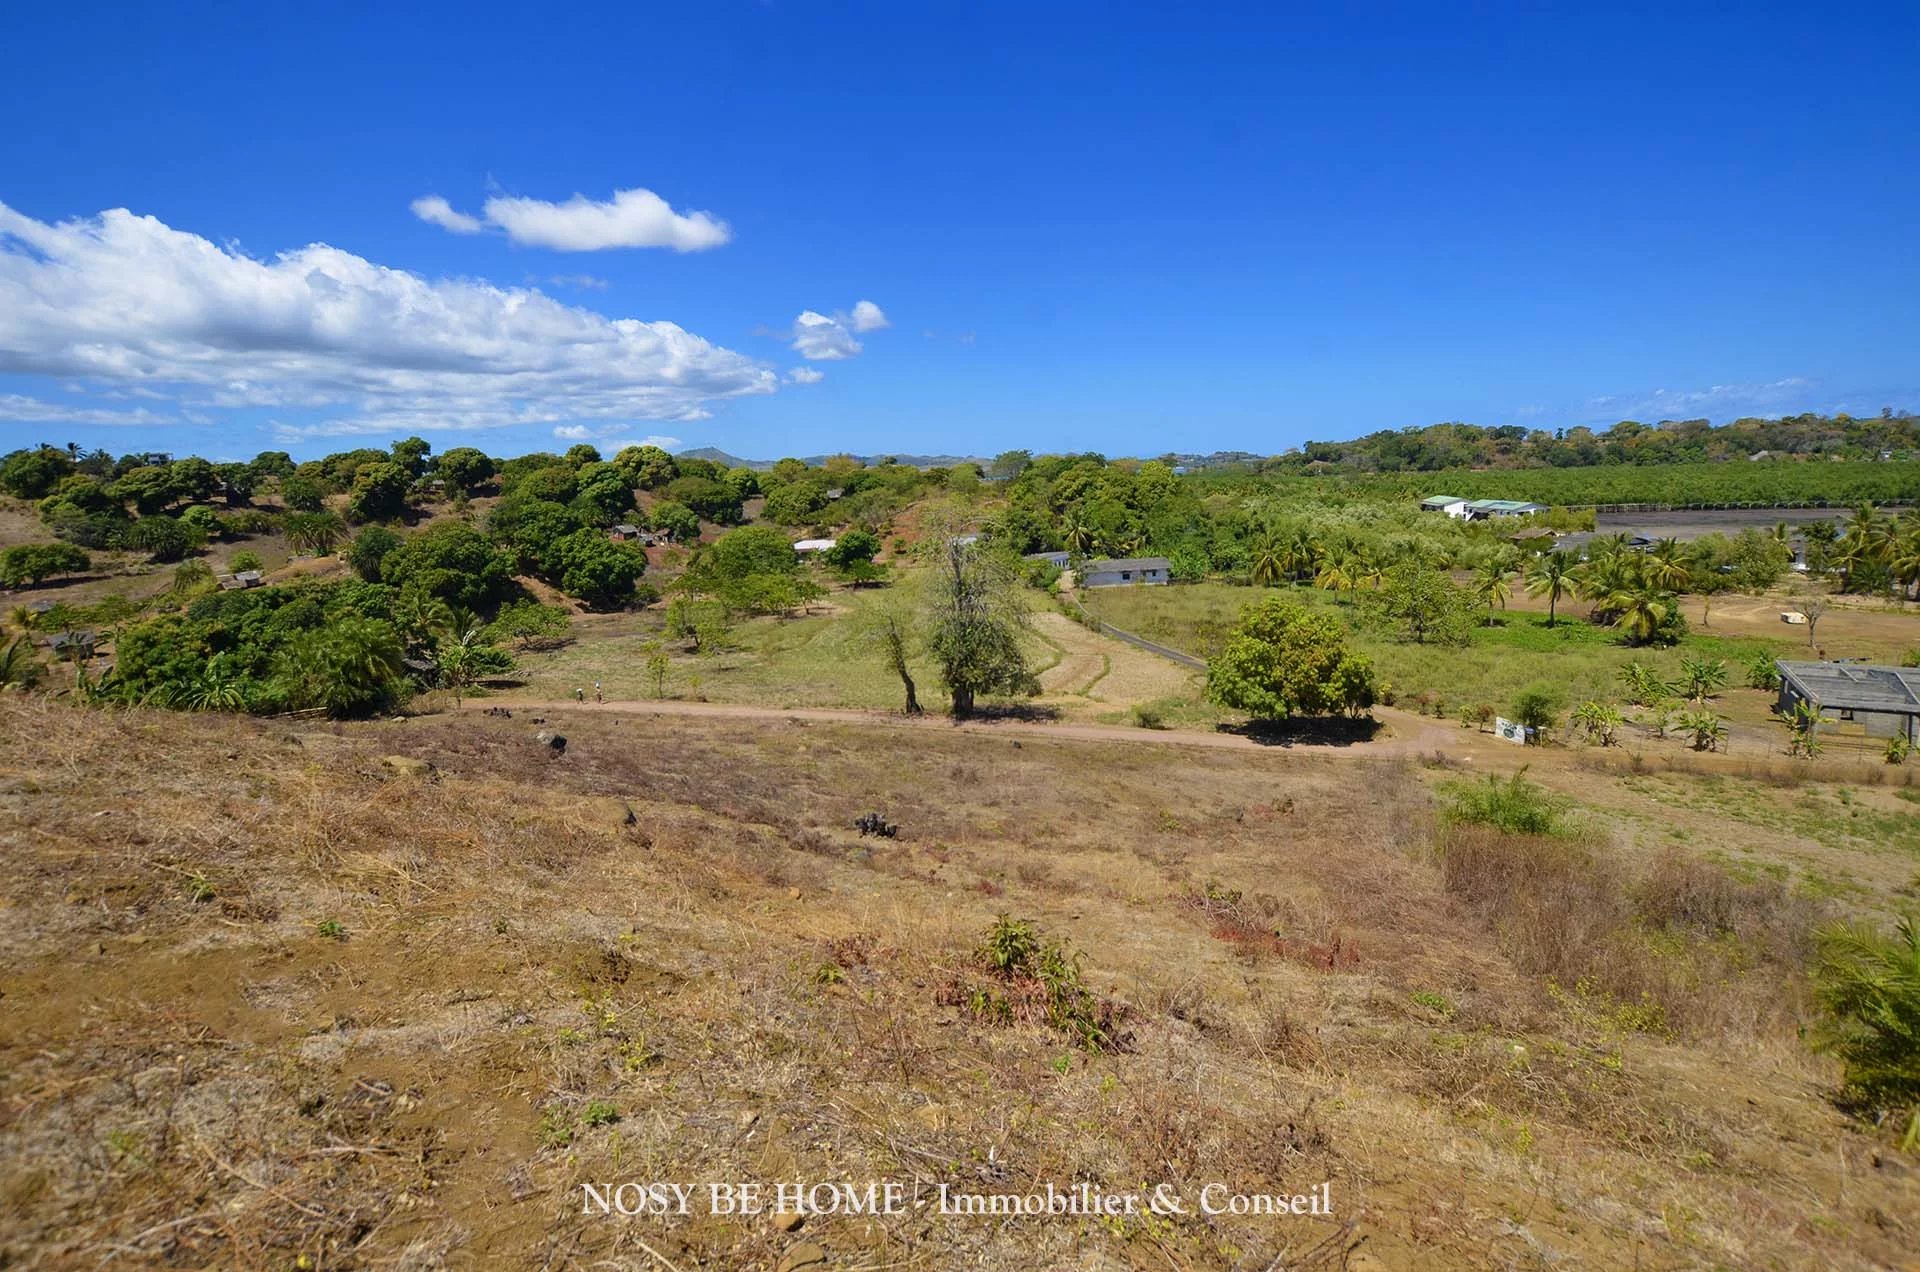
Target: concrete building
{"type": "Point", "coordinates": [1883, 701]}
{"type": "Point", "coordinates": [1124, 572]}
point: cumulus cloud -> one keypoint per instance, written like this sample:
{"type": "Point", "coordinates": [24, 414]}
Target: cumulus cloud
{"type": "Point", "coordinates": [130, 301]}
{"type": "Point", "coordinates": [435, 210]}
{"type": "Point", "coordinates": [632, 218]}
{"type": "Point", "coordinates": [805, 375]}
{"type": "Point", "coordinates": [820, 338]}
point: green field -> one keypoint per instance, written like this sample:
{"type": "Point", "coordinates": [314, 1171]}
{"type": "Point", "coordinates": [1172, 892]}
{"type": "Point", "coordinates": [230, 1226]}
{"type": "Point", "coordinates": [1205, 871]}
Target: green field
{"type": "Point", "coordinates": [1578, 659]}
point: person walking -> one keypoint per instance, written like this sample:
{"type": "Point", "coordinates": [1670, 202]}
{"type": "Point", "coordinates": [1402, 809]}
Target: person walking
{"type": "Point", "coordinates": [579, 695]}
{"type": "Point", "coordinates": [597, 696]}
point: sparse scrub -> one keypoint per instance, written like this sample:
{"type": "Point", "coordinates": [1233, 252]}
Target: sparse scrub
{"type": "Point", "coordinates": [1034, 980]}
{"type": "Point", "coordinates": [1516, 806]}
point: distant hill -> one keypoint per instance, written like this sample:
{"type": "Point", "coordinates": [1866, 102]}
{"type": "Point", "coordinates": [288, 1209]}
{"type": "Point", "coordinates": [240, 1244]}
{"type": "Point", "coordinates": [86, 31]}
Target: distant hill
{"type": "Point", "coordinates": [718, 456]}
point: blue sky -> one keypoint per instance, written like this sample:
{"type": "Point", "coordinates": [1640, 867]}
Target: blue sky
{"type": "Point", "coordinates": [1128, 228]}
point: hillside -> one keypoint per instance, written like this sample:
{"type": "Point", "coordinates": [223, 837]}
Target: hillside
{"type": "Point", "coordinates": [280, 994]}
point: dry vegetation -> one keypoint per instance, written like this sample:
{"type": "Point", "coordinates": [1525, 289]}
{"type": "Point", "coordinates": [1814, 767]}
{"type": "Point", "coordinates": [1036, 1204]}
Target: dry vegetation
{"type": "Point", "coordinates": [274, 1002]}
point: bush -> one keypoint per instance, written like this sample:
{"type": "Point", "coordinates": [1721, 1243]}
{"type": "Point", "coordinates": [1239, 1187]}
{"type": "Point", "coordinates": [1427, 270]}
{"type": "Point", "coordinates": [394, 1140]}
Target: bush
{"type": "Point", "coordinates": [1537, 708]}
{"type": "Point", "coordinates": [1032, 980]}
{"type": "Point", "coordinates": [33, 562]}
{"type": "Point", "coordinates": [241, 561]}
{"type": "Point", "coordinates": [1516, 806]}
{"type": "Point", "coordinates": [369, 549]}
{"type": "Point", "coordinates": [1869, 984]}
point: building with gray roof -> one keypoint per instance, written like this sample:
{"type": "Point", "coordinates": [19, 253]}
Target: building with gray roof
{"type": "Point", "coordinates": [1883, 701]}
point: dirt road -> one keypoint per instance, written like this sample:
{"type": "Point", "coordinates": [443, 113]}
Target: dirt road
{"type": "Point", "coordinates": [1405, 734]}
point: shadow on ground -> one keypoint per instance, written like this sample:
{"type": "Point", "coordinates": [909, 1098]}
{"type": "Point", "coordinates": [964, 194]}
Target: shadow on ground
{"type": "Point", "coordinates": [1334, 731]}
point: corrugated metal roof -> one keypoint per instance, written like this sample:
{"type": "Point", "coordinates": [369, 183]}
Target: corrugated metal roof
{"type": "Point", "coordinates": [1855, 686]}
{"type": "Point", "coordinates": [1127, 563]}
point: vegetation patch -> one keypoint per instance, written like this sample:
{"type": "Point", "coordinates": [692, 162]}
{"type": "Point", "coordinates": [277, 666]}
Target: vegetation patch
{"type": "Point", "coordinates": [1019, 976]}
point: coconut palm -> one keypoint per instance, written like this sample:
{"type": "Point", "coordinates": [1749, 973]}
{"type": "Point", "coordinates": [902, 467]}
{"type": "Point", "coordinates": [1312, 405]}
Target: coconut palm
{"type": "Point", "coordinates": [1077, 534]}
{"type": "Point", "coordinates": [1552, 576]}
{"type": "Point", "coordinates": [1665, 566]}
{"type": "Point", "coordinates": [1268, 562]}
{"type": "Point", "coordinates": [1335, 576]}
{"type": "Point", "coordinates": [1640, 611]}
{"type": "Point", "coordinates": [1490, 586]}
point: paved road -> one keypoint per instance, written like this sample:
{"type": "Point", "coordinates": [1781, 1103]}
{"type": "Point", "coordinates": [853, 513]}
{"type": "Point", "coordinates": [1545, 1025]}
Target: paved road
{"type": "Point", "coordinates": [1408, 734]}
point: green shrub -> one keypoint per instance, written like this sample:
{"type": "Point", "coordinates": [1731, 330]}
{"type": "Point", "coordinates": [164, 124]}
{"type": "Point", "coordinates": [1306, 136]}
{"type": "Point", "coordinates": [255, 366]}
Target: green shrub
{"type": "Point", "coordinates": [1869, 983]}
{"type": "Point", "coordinates": [1516, 806]}
{"type": "Point", "coordinates": [1538, 708]}
{"type": "Point", "coordinates": [1032, 980]}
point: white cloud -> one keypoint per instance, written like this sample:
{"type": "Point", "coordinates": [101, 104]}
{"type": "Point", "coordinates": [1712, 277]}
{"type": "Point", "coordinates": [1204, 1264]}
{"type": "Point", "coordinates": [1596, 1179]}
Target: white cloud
{"type": "Point", "coordinates": [822, 337]}
{"type": "Point", "coordinates": [805, 375]}
{"type": "Point", "coordinates": [607, 433]}
{"type": "Point", "coordinates": [129, 301]}
{"type": "Point", "coordinates": [29, 410]}
{"type": "Point", "coordinates": [1727, 400]}
{"type": "Point", "coordinates": [583, 282]}
{"type": "Point", "coordinates": [435, 210]}
{"type": "Point", "coordinates": [632, 218]}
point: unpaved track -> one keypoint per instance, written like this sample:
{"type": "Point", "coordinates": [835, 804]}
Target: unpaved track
{"type": "Point", "coordinates": [1410, 735]}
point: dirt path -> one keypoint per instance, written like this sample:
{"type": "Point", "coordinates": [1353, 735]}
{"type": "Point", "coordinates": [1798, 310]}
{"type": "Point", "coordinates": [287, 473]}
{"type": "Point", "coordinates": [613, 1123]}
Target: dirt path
{"type": "Point", "coordinates": [1405, 735]}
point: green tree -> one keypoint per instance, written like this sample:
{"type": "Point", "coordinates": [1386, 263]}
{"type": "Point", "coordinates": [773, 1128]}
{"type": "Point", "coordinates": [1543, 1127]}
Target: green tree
{"type": "Point", "coordinates": [1427, 605]}
{"type": "Point", "coordinates": [465, 469]}
{"type": "Point", "coordinates": [31, 563]}
{"type": "Point", "coordinates": [369, 549]}
{"type": "Point", "coordinates": [1283, 660]}
{"type": "Point", "coordinates": [1552, 576]}
{"type": "Point", "coordinates": [379, 493]}
{"type": "Point", "coordinates": [150, 490]}
{"type": "Point", "coordinates": [452, 561]}
{"type": "Point", "coordinates": [314, 532]}
{"type": "Point", "coordinates": [976, 617]}
{"type": "Point", "coordinates": [530, 623]}
{"type": "Point", "coordinates": [677, 521]}
{"type": "Point", "coordinates": [163, 538]}
{"type": "Point", "coordinates": [31, 474]}
{"type": "Point", "coordinates": [302, 494]}
{"type": "Point", "coordinates": [1538, 710]}
{"type": "Point", "coordinates": [648, 467]}
{"type": "Point", "coordinates": [593, 569]}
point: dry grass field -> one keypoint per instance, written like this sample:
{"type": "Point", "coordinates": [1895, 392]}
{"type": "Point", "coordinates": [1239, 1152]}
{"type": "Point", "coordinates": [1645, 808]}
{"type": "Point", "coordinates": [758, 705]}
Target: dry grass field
{"type": "Point", "coordinates": [279, 995]}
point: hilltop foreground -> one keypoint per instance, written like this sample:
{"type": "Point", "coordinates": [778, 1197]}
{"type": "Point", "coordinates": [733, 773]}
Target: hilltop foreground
{"type": "Point", "coordinates": [285, 995]}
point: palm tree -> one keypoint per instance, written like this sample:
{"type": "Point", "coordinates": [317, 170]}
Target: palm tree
{"type": "Point", "coordinates": [1268, 563]}
{"type": "Point", "coordinates": [1335, 576]}
{"type": "Point", "coordinates": [1903, 557]}
{"type": "Point", "coordinates": [1300, 555]}
{"type": "Point", "coordinates": [1665, 566]}
{"type": "Point", "coordinates": [18, 665]}
{"type": "Point", "coordinates": [1640, 611]}
{"type": "Point", "coordinates": [1077, 534]}
{"type": "Point", "coordinates": [1552, 576]}
{"type": "Point", "coordinates": [1490, 585]}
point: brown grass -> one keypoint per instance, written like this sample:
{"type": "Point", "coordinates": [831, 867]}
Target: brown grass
{"type": "Point", "coordinates": [197, 1068]}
